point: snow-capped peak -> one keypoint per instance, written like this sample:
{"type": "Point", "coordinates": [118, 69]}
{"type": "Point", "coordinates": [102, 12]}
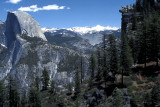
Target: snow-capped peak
{"type": "Point", "coordinates": [84, 30]}
{"type": "Point", "coordinates": [49, 29]}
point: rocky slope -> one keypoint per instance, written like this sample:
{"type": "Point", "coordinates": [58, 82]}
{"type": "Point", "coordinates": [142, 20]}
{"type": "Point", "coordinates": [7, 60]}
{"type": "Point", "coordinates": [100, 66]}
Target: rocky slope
{"type": "Point", "coordinates": [69, 39]}
{"type": "Point", "coordinates": [26, 52]}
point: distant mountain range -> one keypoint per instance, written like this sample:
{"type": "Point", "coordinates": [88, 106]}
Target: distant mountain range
{"type": "Point", "coordinates": [84, 30]}
{"type": "Point", "coordinates": [92, 34]}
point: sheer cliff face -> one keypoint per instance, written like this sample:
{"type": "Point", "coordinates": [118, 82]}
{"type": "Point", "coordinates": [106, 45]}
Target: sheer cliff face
{"type": "Point", "coordinates": [2, 35]}
{"type": "Point", "coordinates": [27, 52]}
{"type": "Point", "coordinates": [19, 23]}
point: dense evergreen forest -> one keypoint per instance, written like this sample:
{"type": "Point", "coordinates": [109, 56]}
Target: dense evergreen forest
{"type": "Point", "coordinates": [121, 73]}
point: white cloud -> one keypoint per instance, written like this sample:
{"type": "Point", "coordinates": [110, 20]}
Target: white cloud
{"type": "Point", "coordinates": [14, 1]}
{"type": "Point", "coordinates": [52, 7]}
{"type": "Point", "coordinates": [34, 8]}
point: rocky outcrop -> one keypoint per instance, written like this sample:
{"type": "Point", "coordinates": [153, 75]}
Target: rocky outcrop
{"type": "Point", "coordinates": [2, 35]}
{"type": "Point", "coordinates": [92, 99]}
{"type": "Point", "coordinates": [119, 98]}
{"type": "Point", "coordinates": [128, 20]}
{"type": "Point", "coordinates": [21, 23]}
{"type": "Point", "coordinates": [39, 55]}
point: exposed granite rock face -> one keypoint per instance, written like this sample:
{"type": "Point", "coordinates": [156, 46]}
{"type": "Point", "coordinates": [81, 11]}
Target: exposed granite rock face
{"type": "Point", "coordinates": [42, 55]}
{"type": "Point", "coordinates": [19, 23]}
{"type": "Point", "coordinates": [2, 35]}
{"type": "Point", "coordinates": [127, 21]}
{"type": "Point", "coordinates": [27, 59]}
{"type": "Point", "coordinates": [27, 52]}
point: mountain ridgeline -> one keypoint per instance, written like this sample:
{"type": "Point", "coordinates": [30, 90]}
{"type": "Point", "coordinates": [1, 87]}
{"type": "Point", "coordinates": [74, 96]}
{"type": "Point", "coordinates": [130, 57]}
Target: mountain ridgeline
{"type": "Point", "coordinates": [92, 34]}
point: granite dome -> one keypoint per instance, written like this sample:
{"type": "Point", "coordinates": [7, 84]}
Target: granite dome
{"type": "Point", "coordinates": [19, 23]}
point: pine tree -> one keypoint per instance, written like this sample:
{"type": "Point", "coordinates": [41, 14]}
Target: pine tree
{"type": "Point", "coordinates": [145, 6]}
{"type": "Point", "coordinates": [2, 93]}
{"type": "Point", "coordinates": [77, 82]}
{"type": "Point", "coordinates": [150, 40]}
{"type": "Point", "coordinates": [153, 37]}
{"type": "Point", "coordinates": [126, 58]}
{"type": "Point", "coordinates": [134, 21]}
{"type": "Point", "coordinates": [157, 38]}
{"type": "Point", "coordinates": [138, 5]}
{"type": "Point", "coordinates": [37, 82]}
{"type": "Point", "coordinates": [24, 99]}
{"type": "Point", "coordinates": [53, 87]}
{"type": "Point", "coordinates": [77, 103]}
{"type": "Point", "coordinates": [92, 66]}
{"type": "Point", "coordinates": [99, 66]}
{"type": "Point", "coordinates": [152, 3]}
{"type": "Point", "coordinates": [140, 41]}
{"type": "Point", "coordinates": [34, 97]}
{"type": "Point", "coordinates": [70, 87]}
{"type": "Point", "coordinates": [10, 89]}
{"type": "Point", "coordinates": [45, 79]}
{"type": "Point", "coordinates": [81, 68]}
{"type": "Point", "coordinates": [132, 47]}
{"type": "Point", "coordinates": [117, 98]}
{"type": "Point", "coordinates": [104, 59]}
{"type": "Point", "coordinates": [14, 98]}
{"type": "Point", "coordinates": [112, 54]}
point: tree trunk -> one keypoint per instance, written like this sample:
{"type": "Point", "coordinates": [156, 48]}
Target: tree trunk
{"type": "Point", "coordinates": [122, 79]}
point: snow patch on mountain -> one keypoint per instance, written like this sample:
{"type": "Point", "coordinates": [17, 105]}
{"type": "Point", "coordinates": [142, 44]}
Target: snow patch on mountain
{"type": "Point", "coordinates": [83, 30]}
{"type": "Point", "coordinates": [52, 30]}
{"type": "Point", "coordinates": [98, 28]}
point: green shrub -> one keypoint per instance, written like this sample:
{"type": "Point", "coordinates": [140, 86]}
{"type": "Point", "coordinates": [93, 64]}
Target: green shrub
{"type": "Point", "coordinates": [137, 99]}
{"type": "Point", "coordinates": [132, 88]}
{"type": "Point", "coordinates": [148, 99]}
{"type": "Point", "coordinates": [151, 79]}
{"type": "Point", "coordinates": [117, 99]}
{"type": "Point", "coordinates": [127, 81]}
{"type": "Point", "coordinates": [134, 77]}
{"type": "Point", "coordinates": [147, 87]}
{"type": "Point", "coordinates": [139, 81]}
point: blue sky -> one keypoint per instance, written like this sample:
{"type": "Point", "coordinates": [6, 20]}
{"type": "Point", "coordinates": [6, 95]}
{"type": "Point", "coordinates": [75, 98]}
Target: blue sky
{"type": "Point", "coordinates": [68, 13]}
